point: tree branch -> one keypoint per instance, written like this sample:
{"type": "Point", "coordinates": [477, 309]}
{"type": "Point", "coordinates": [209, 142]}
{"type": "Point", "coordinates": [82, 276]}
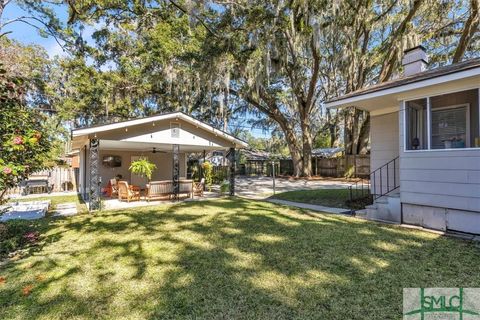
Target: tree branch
{"type": "Point", "coordinates": [179, 7]}
{"type": "Point", "coordinates": [471, 26]}
{"type": "Point", "coordinates": [313, 79]}
{"type": "Point", "coordinates": [24, 19]}
{"type": "Point", "coordinates": [391, 59]}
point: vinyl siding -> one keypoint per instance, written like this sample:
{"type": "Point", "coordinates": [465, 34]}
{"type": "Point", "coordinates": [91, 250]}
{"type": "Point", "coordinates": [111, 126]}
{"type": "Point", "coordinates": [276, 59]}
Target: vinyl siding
{"type": "Point", "coordinates": [439, 178]}
{"type": "Point", "coordinates": [384, 148]}
{"type": "Point", "coordinates": [384, 139]}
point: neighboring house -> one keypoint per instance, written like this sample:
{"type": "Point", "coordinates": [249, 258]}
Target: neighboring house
{"type": "Point", "coordinates": [106, 151]}
{"type": "Point", "coordinates": [425, 126]}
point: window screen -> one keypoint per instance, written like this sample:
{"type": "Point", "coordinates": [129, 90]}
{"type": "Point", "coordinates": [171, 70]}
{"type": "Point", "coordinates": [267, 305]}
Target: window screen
{"type": "Point", "coordinates": [416, 124]}
{"type": "Point", "coordinates": [449, 128]}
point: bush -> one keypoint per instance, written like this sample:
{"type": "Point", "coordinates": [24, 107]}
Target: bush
{"type": "Point", "coordinates": [15, 235]}
{"type": "Point", "coordinates": [220, 176]}
{"type": "Point", "coordinates": [350, 172]}
{"type": "Point", "coordinates": [224, 187]}
{"type": "Point", "coordinates": [359, 203]}
{"type": "Point", "coordinates": [25, 140]}
{"type": "Point", "coordinates": [208, 174]}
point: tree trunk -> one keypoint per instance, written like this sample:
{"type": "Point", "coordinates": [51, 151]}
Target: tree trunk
{"type": "Point", "coordinates": [292, 143]}
{"type": "Point", "coordinates": [348, 135]}
{"type": "Point", "coordinates": [364, 136]}
{"type": "Point", "coordinates": [296, 161]}
{"type": "Point", "coordinates": [306, 147]}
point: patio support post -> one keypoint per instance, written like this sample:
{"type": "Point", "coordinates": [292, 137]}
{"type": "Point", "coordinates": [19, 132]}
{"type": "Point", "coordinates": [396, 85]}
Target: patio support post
{"type": "Point", "coordinates": [94, 196]}
{"type": "Point", "coordinates": [231, 154]}
{"type": "Point", "coordinates": [201, 170]}
{"type": "Point", "coordinates": [176, 171]}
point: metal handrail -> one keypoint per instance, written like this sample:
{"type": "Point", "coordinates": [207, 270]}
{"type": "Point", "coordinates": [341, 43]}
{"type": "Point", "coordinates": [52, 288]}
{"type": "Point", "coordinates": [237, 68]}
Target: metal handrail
{"type": "Point", "coordinates": [357, 190]}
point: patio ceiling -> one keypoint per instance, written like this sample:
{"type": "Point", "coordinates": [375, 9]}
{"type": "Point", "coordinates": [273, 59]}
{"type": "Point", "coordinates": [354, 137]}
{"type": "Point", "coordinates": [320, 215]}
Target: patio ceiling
{"type": "Point", "coordinates": [148, 147]}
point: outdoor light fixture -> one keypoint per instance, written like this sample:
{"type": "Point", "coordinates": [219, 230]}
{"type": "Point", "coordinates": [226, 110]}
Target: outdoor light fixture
{"type": "Point", "coordinates": [154, 150]}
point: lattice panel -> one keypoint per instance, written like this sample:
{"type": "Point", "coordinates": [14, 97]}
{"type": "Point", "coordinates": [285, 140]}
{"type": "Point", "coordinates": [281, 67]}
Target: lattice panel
{"type": "Point", "coordinates": [176, 170]}
{"type": "Point", "coordinates": [231, 155]}
{"type": "Point", "coordinates": [94, 175]}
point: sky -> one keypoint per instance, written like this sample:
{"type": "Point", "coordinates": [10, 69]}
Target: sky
{"type": "Point", "coordinates": [29, 35]}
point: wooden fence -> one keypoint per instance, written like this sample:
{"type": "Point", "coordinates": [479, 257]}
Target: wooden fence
{"type": "Point", "coordinates": [61, 179]}
{"type": "Point", "coordinates": [353, 165]}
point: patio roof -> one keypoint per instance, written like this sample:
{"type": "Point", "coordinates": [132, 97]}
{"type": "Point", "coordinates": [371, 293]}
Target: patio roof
{"type": "Point", "coordinates": [156, 132]}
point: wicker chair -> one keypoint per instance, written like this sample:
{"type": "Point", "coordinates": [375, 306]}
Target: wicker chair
{"type": "Point", "coordinates": [198, 187]}
{"type": "Point", "coordinates": [126, 192]}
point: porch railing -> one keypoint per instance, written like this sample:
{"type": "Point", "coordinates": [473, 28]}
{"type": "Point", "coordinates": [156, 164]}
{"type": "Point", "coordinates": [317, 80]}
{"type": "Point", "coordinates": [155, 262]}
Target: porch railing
{"type": "Point", "coordinates": [382, 181]}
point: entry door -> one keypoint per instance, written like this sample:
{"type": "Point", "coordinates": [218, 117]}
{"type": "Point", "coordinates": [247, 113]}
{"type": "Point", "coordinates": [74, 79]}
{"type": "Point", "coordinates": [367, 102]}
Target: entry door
{"type": "Point", "coordinates": [136, 179]}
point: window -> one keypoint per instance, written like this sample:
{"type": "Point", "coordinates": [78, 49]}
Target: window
{"type": "Point", "coordinates": [450, 127]}
{"type": "Point", "coordinates": [416, 124]}
{"type": "Point", "coordinates": [175, 130]}
{"type": "Point", "coordinates": [449, 121]}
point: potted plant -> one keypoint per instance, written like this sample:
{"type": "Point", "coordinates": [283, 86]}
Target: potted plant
{"type": "Point", "coordinates": [208, 174]}
{"type": "Point", "coordinates": [143, 167]}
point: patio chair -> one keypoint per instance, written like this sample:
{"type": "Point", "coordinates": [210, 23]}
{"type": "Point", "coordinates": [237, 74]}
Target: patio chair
{"type": "Point", "coordinates": [198, 188]}
{"type": "Point", "coordinates": [159, 189]}
{"type": "Point", "coordinates": [114, 186]}
{"type": "Point", "coordinates": [186, 187]}
{"type": "Point", "coordinates": [127, 192]}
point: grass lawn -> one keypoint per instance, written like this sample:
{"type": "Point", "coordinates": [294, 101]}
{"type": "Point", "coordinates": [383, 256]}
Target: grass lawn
{"type": "Point", "coordinates": [227, 259]}
{"type": "Point", "coordinates": [325, 197]}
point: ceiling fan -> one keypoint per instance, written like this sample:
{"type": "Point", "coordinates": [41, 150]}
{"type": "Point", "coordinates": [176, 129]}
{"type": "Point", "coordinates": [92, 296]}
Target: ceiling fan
{"type": "Point", "coordinates": [154, 150]}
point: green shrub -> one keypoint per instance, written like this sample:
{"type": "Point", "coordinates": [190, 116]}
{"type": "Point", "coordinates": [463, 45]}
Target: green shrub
{"type": "Point", "coordinates": [195, 173]}
{"type": "Point", "coordinates": [15, 235]}
{"type": "Point", "coordinates": [224, 186]}
{"type": "Point", "coordinates": [350, 172]}
{"type": "Point", "coordinates": [219, 176]}
{"type": "Point", "coordinates": [208, 174]}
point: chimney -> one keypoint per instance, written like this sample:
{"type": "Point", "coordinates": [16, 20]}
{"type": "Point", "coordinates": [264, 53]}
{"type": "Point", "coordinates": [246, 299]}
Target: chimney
{"type": "Point", "coordinates": [415, 60]}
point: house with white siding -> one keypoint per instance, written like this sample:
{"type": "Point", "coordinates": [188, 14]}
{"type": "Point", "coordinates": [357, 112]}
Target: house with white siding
{"type": "Point", "coordinates": [425, 144]}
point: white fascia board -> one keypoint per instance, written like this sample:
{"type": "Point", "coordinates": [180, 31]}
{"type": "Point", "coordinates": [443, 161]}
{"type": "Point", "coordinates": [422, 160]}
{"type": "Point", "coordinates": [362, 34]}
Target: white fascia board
{"type": "Point", "coordinates": [406, 87]}
{"type": "Point", "coordinates": [213, 130]}
{"type": "Point", "coordinates": [176, 115]}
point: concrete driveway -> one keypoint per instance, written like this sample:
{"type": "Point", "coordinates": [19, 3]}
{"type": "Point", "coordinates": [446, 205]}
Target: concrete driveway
{"type": "Point", "coordinates": [261, 187]}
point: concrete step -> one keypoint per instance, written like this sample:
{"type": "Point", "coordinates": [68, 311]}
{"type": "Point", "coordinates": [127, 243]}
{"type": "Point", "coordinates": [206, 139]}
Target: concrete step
{"type": "Point", "coordinates": [66, 210]}
{"type": "Point", "coordinates": [394, 194]}
{"type": "Point", "coordinates": [383, 199]}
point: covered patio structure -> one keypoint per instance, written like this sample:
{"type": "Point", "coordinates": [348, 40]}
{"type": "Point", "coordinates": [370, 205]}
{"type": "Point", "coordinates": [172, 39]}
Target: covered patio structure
{"type": "Point", "coordinates": [106, 151]}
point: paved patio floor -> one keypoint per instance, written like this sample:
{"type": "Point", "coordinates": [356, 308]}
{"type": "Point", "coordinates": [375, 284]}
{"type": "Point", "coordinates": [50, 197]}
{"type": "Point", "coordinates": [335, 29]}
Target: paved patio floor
{"type": "Point", "coordinates": [248, 187]}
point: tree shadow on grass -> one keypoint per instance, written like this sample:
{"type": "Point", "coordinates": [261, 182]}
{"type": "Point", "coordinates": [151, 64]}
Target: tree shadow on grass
{"type": "Point", "coordinates": [234, 258]}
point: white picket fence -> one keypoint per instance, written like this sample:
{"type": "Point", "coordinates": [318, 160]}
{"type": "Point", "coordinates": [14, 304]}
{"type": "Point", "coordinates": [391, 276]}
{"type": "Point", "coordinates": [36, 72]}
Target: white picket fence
{"type": "Point", "coordinates": [62, 179]}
